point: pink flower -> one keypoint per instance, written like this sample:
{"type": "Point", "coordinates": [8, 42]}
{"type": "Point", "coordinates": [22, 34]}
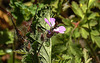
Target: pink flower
{"type": "Point", "coordinates": [59, 29]}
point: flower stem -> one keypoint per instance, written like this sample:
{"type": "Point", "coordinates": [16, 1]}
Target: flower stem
{"type": "Point", "coordinates": [50, 49]}
{"type": "Point", "coordinates": [40, 47]}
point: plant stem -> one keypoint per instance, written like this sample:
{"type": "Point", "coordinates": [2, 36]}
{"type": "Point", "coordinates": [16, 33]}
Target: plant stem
{"type": "Point", "coordinates": [50, 49]}
{"type": "Point", "coordinates": [40, 47]}
{"type": "Point", "coordinates": [14, 48]}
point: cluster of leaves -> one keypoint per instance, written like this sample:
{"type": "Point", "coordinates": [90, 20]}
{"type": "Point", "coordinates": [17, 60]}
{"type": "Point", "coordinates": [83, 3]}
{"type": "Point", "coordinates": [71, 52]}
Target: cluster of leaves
{"type": "Point", "coordinates": [82, 27]}
{"type": "Point", "coordinates": [38, 26]}
{"type": "Point", "coordinates": [79, 43]}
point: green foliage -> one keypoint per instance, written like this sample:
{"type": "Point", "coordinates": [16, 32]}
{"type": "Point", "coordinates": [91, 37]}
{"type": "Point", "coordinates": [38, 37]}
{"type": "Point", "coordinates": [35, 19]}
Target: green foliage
{"type": "Point", "coordinates": [6, 34]}
{"type": "Point", "coordinates": [86, 57]}
{"type": "Point", "coordinates": [22, 12]}
{"type": "Point", "coordinates": [91, 23]}
{"type": "Point", "coordinates": [39, 23]}
{"type": "Point", "coordinates": [76, 33]}
{"type": "Point", "coordinates": [73, 48]}
{"type": "Point", "coordinates": [84, 33]}
{"type": "Point", "coordinates": [91, 2]}
{"type": "Point", "coordinates": [28, 58]}
{"type": "Point", "coordinates": [76, 45]}
{"type": "Point", "coordinates": [77, 10]}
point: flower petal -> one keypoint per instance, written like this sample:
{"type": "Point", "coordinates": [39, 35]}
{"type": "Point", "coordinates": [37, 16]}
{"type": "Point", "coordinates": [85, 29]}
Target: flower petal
{"type": "Point", "coordinates": [60, 29]}
{"type": "Point", "coordinates": [46, 20]}
{"type": "Point", "coordinates": [52, 20]}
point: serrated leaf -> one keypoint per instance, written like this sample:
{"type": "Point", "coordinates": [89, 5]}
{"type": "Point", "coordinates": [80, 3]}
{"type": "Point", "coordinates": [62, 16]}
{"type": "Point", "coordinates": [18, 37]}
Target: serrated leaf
{"type": "Point", "coordinates": [93, 38]}
{"type": "Point", "coordinates": [77, 10]}
{"type": "Point", "coordinates": [44, 24]}
{"type": "Point", "coordinates": [59, 48]}
{"type": "Point", "coordinates": [68, 29]}
{"type": "Point", "coordinates": [65, 6]}
{"type": "Point", "coordinates": [45, 53]}
{"type": "Point", "coordinates": [97, 40]}
{"type": "Point", "coordinates": [95, 32]}
{"type": "Point", "coordinates": [92, 23]}
{"type": "Point", "coordinates": [45, 13]}
{"type": "Point", "coordinates": [91, 2]}
{"type": "Point", "coordinates": [55, 5]}
{"type": "Point", "coordinates": [92, 16]}
{"type": "Point", "coordinates": [76, 33]}
{"type": "Point", "coordinates": [74, 49]}
{"type": "Point", "coordinates": [84, 7]}
{"type": "Point", "coordinates": [66, 56]}
{"type": "Point", "coordinates": [86, 56]}
{"type": "Point", "coordinates": [28, 3]}
{"type": "Point", "coordinates": [84, 33]}
{"type": "Point", "coordinates": [67, 22]}
{"type": "Point", "coordinates": [77, 59]}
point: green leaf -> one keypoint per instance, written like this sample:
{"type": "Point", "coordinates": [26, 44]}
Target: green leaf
{"type": "Point", "coordinates": [91, 2]}
{"type": "Point", "coordinates": [67, 22]}
{"type": "Point", "coordinates": [2, 52]}
{"type": "Point", "coordinates": [45, 53]}
{"type": "Point", "coordinates": [76, 33]}
{"type": "Point", "coordinates": [92, 23]}
{"type": "Point", "coordinates": [96, 40]}
{"type": "Point", "coordinates": [77, 10]}
{"type": "Point", "coordinates": [93, 38]}
{"type": "Point", "coordinates": [73, 49]}
{"type": "Point", "coordinates": [68, 29]}
{"type": "Point", "coordinates": [95, 32]}
{"type": "Point", "coordinates": [86, 56]}
{"type": "Point", "coordinates": [6, 37]}
{"type": "Point", "coordinates": [77, 59]}
{"type": "Point", "coordinates": [97, 4]}
{"type": "Point", "coordinates": [55, 6]}
{"type": "Point", "coordinates": [29, 58]}
{"type": "Point", "coordinates": [92, 16]}
{"type": "Point", "coordinates": [59, 48]}
{"type": "Point", "coordinates": [84, 7]}
{"type": "Point", "coordinates": [66, 56]}
{"type": "Point", "coordinates": [44, 24]}
{"type": "Point", "coordinates": [65, 6]}
{"type": "Point", "coordinates": [22, 12]}
{"type": "Point", "coordinates": [84, 33]}
{"type": "Point", "coordinates": [44, 13]}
